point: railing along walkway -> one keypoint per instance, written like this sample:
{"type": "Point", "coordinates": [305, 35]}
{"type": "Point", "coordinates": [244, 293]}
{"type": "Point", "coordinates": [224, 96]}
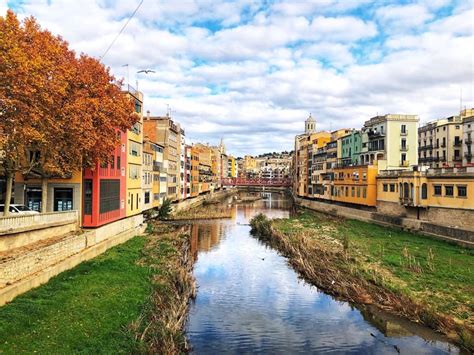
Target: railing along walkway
{"type": "Point", "coordinates": [20, 223]}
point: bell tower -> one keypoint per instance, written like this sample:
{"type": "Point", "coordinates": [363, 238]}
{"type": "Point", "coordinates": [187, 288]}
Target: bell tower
{"type": "Point", "coordinates": [310, 125]}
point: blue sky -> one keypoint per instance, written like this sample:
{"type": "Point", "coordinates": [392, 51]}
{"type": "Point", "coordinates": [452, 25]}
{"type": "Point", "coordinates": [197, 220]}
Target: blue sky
{"type": "Point", "coordinates": [252, 71]}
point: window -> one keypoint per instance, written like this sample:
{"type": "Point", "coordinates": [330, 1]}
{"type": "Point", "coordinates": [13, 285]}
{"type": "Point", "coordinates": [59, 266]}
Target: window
{"type": "Point", "coordinates": [404, 143]}
{"type": "Point", "coordinates": [404, 158]}
{"type": "Point", "coordinates": [138, 106]}
{"type": "Point", "coordinates": [63, 199]}
{"type": "Point", "coordinates": [385, 187]}
{"type": "Point", "coordinates": [87, 197]}
{"type": "Point", "coordinates": [364, 192]}
{"type": "Point", "coordinates": [437, 190]}
{"type": "Point", "coordinates": [424, 192]}
{"type": "Point", "coordinates": [404, 128]}
{"type": "Point", "coordinates": [462, 190]}
{"type": "Point", "coordinates": [112, 162]}
{"type": "Point", "coordinates": [449, 190]}
{"type": "Point", "coordinates": [392, 187]}
{"type": "Point", "coordinates": [134, 172]}
{"type": "Point", "coordinates": [353, 191]}
{"type": "Point", "coordinates": [134, 149]}
{"type": "Point", "coordinates": [358, 191]}
{"type": "Point", "coordinates": [118, 162]}
{"type": "Point", "coordinates": [109, 195]}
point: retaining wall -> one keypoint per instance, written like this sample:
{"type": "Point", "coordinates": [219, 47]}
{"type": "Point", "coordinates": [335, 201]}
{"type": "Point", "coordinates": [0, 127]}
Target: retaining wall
{"type": "Point", "coordinates": [26, 267]}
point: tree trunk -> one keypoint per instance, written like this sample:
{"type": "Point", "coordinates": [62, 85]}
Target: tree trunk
{"type": "Point", "coordinates": [8, 195]}
{"type": "Point", "coordinates": [44, 194]}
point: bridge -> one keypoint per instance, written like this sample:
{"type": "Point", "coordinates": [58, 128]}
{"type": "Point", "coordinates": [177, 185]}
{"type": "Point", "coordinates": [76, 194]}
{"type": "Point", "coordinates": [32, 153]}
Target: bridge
{"type": "Point", "coordinates": [241, 181]}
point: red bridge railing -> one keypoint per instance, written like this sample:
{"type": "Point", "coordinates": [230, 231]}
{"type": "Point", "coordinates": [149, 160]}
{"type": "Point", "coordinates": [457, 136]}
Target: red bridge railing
{"type": "Point", "coordinates": [256, 182]}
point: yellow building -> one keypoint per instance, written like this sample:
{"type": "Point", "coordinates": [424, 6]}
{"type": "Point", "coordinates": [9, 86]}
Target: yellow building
{"type": "Point", "coordinates": [134, 148]}
{"type": "Point", "coordinates": [250, 166]}
{"type": "Point", "coordinates": [436, 195]}
{"type": "Point", "coordinates": [232, 167]}
{"type": "Point", "coordinates": [391, 140]}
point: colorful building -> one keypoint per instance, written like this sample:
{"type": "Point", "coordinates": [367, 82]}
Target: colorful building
{"type": "Point", "coordinates": [147, 175]}
{"type": "Point", "coordinates": [467, 141]}
{"type": "Point", "coordinates": [392, 140]}
{"type": "Point", "coordinates": [440, 194]}
{"type": "Point", "coordinates": [164, 131]}
{"type": "Point", "coordinates": [440, 142]}
{"type": "Point", "coordinates": [355, 185]}
{"type": "Point", "coordinates": [104, 189]}
{"type": "Point", "coordinates": [135, 158]}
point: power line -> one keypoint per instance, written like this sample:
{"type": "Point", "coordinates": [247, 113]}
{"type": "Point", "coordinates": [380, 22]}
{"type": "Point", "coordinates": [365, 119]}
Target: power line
{"type": "Point", "coordinates": [121, 30]}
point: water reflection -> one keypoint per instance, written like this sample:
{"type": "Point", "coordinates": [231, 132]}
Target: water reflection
{"type": "Point", "coordinates": [250, 300]}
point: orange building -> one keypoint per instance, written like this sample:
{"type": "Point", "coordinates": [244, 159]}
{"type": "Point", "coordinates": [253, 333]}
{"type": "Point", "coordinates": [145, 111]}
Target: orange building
{"type": "Point", "coordinates": [355, 185]}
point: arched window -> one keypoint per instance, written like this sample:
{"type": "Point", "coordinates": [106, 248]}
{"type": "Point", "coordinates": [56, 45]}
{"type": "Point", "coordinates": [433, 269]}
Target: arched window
{"type": "Point", "coordinates": [406, 190]}
{"type": "Point", "coordinates": [401, 190]}
{"type": "Point", "coordinates": [424, 191]}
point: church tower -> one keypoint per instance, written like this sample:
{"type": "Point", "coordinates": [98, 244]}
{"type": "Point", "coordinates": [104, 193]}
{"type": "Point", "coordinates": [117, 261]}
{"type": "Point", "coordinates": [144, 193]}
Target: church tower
{"type": "Point", "coordinates": [310, 125]}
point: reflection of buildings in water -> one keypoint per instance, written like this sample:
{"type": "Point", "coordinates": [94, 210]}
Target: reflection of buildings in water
{"type": "Point", "coordinates": [205, 236]}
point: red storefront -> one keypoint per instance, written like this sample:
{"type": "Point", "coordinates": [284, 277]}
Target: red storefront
{"type": "Point", "coordinates": [104, 189]}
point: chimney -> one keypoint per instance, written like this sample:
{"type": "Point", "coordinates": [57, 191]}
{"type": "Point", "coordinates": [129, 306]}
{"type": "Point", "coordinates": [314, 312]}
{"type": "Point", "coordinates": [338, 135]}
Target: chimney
{"type": "Point", "coordinates": [148, 115]}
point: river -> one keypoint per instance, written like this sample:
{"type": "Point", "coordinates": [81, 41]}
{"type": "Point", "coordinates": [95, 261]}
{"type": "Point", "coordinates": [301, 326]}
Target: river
{"type": "Point", "coordinates": [250, 300]}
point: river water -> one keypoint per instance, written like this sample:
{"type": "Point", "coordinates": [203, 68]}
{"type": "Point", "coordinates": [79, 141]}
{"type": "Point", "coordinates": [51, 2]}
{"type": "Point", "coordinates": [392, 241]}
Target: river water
{"type": "Point", "coordinates": [250, 300]}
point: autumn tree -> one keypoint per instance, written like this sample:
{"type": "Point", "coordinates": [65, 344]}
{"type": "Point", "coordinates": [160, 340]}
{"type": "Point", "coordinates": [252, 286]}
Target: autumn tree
{"type": "Point", "coordinates": [60, 112]}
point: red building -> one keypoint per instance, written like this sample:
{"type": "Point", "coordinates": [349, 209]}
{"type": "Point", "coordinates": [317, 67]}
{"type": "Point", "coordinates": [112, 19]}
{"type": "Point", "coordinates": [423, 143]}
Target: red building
{"type": "Point", "coordinates": [104, 189]}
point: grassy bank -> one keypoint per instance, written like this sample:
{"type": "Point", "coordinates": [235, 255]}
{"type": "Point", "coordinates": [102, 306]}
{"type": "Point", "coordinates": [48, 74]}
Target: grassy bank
{"type": "Point", "coordinates": [203, 212]}
{"type": "Point", "coordinates": [425, 280]}
{"type": "Point", "coordinates": [105, 305]}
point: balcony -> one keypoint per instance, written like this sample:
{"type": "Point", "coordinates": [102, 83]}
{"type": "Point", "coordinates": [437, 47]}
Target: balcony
{"type": "Point", "coordinates": [375, 134]}
{"type": "Point", "coordinates": [457, 158]}
{"type": "Point", "coordinates": [458, 143]}
{"type": "Point", "coordinates": [443, 145]}
{"type": "Point", "coordinates": [468, 155]}
{"type": "Point", "coordinates": [404, 148]}
{"type": "Point", "coordinates": [426, 147]}
{"type": "Point", "coordinates": [404, 163]}
{"type": "Point", "coordinates": [404, 133]}
{"type": "Point", "coordinates": [468, 141]}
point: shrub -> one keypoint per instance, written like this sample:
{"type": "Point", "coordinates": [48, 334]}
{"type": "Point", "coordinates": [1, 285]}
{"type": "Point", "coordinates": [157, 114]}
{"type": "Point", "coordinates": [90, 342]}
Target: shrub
{"type": "Point", "coordinates": [165, 209]}
{"type": "Point", "coordinates": [261, 225]}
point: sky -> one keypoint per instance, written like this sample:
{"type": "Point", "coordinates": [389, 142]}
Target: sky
{"type": "Point", "coordinates": [251, 72]}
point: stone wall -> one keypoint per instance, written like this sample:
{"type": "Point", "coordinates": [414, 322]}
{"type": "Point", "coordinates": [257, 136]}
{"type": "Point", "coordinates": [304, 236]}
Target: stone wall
{"type": "Point", "coordinates": [32, 265]}
{"type": "Point", "coordinates": [199, 200]}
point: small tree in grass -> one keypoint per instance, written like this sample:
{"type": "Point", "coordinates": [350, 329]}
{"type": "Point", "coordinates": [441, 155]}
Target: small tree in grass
{"type": "Point", "coordinates": [165, 209]}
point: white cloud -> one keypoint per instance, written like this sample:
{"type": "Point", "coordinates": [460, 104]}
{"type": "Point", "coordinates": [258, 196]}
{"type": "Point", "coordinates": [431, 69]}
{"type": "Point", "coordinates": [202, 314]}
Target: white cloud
{"type": "Point", "coordinates": [395, 18]}
{"type": "Point", "coordinates": [256, 72]}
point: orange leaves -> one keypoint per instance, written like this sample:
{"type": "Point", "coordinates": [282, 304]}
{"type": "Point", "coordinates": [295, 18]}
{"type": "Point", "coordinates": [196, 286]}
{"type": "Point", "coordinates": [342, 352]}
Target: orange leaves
{"type": "Point", "coordinates": [52, 101]}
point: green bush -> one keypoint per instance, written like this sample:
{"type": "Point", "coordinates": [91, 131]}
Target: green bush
{"type": "Point", "coordinates": [165, 209]}
{"type": "Point", "coordinates": [261, 225]}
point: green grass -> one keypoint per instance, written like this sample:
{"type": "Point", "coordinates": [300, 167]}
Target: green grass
{"type": "Point", "coordinates": [84, 310]}
{"type": "Point", "coordinates": [444, 282]}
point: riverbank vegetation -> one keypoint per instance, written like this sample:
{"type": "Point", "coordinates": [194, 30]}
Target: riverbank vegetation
{"type": "Point", "coordinates": [425, 280]}
{"type": "Point", "coordinates": [203, 212]}
{"type": "Point", "coordinates": [131, 299]}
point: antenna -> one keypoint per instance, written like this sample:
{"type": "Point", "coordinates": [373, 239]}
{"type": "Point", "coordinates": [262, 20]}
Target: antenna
{"type": "Point", "coordinates": [460, 100]}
